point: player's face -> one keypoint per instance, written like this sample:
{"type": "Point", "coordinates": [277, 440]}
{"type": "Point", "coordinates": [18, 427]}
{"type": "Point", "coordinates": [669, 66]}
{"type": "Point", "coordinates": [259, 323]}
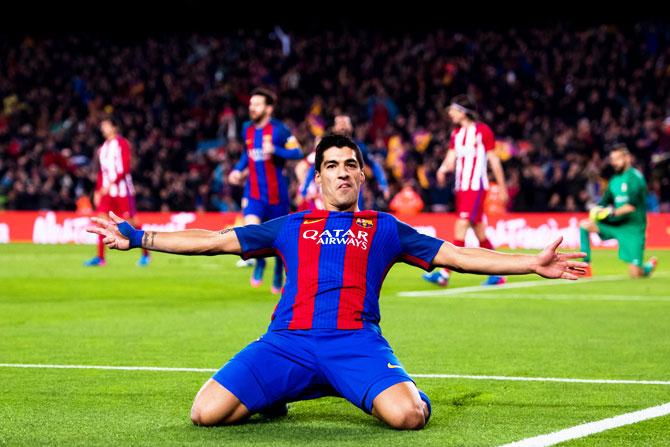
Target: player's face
{"type": "Point", "coordinates": [340, 179]}
{"type": "Point", "coordinates": [343, 125]}
{"type": "Point", "coordinates": [620, 161]}
{"type": "Point", "coordinates": [456, 116]}
{"type": "Point", "coordinates": [107, 129]}
{"type": "Point", "coordinates": [258, 109]}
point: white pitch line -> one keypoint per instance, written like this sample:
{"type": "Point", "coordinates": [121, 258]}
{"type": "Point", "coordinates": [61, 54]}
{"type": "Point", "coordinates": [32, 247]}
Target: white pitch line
{"type": "Point", "coordinates": [580, 431]}
{"type": "Point", "coordinates": [106, 367]}
{"type": "Point", "coordinates": [423, 376]}
{"type": "Point", "coordinates": [564, 297]}
{"type": "Point", "coordinates": [517, 285]}
{"type": "Point", "coordinates": [544, 379]}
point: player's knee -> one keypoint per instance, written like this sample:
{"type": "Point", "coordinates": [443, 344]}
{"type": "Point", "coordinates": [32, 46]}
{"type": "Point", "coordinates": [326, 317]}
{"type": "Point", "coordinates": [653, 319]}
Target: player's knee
{"type": "Point", "coordinates": [410, 417]}
{"type": "Point", "coordinates": [198, 416]}
{"type": "Point", "coordinates": [205, 417]}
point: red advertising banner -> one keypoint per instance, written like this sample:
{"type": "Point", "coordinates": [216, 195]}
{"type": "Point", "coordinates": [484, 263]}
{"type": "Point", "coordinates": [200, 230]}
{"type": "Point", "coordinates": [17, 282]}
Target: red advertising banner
{"type": "Point", "coordinates": [514, 230]}
{"type": "Point", "coordinates": [49, 227]}
{"type": "Point", "coordinates": [534, 230]}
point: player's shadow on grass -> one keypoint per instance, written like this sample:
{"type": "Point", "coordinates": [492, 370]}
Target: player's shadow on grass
{"type": "Point", "coordinates": [463, 400]}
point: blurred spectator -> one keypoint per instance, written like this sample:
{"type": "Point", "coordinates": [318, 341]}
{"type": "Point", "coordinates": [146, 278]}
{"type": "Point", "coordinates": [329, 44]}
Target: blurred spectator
{"type": "Point", "coordinates": [407, 201]}
{"type": "Point", "coordinates": [555, 96]}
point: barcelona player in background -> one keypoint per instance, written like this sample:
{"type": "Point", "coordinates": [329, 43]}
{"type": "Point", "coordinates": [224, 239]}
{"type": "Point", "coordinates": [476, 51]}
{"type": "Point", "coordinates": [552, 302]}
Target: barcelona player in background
{"type": "Point", "coordinates": [268, 143]}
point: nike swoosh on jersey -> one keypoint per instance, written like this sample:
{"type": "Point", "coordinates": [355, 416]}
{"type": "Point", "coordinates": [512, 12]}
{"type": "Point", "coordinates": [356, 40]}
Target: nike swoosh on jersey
{"type": "Point", "coordinates": [311, 221]}
{"type": "Point", "coordinates": [393, 366]}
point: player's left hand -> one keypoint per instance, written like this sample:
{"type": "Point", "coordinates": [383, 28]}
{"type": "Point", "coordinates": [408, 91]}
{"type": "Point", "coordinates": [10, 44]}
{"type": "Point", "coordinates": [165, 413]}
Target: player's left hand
{"type": "Point", "coordinates": [109, 230]}
{"type": "Point", "coordinates": [551, 264]}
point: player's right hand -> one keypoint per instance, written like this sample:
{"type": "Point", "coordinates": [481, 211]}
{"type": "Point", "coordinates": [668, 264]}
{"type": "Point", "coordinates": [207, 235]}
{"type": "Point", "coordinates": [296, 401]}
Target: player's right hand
{"type": "Point", "coordinates": [599, 213]}
{"type": "Point", "coordinates": [109, 230]}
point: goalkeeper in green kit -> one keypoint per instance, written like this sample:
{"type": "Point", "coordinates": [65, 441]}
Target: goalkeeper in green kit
{"type": "Point", "coordinates": [621, 215]}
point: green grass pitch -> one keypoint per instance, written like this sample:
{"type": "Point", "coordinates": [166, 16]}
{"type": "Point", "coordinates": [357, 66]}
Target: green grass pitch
{"type": "Point", "coordinates": [198, 312]}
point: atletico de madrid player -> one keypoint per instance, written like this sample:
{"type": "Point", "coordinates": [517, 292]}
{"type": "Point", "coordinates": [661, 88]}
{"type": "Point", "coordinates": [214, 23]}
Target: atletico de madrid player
{"type": "Point", "coordinates": [471, 150]}
{"type": "Point", "coordinates": [114, 189]}
{"type": "Point", "coordinates": [324, 338]}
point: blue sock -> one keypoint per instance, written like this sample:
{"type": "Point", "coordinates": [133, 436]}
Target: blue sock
{"type": "Point", "coordinates": [425, 398]}
{"type": "Point", "coordinates": [259, 268]}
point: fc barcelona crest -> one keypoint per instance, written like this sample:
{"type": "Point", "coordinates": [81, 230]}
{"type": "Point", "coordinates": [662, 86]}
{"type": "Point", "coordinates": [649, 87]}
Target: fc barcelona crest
{"type": "Point", "coordinates": [365, 223]}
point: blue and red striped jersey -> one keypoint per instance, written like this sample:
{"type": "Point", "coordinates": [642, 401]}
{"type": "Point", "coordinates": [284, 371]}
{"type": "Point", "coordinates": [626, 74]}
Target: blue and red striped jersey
{"type": "Point", "coordinates": [267, 181]}
{"type": "Point", "coordinates": [335, 264]}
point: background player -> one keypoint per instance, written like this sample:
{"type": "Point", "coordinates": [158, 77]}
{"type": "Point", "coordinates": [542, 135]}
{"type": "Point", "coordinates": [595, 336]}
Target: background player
{"type": "Point", "coordinates": [470, 151]}
{"type": "Point", "coordinates": [621, 215]}
{"type": "Point", "coordinates": [114, 188]}
{"type": "Point", "coordinates": [268, 143]}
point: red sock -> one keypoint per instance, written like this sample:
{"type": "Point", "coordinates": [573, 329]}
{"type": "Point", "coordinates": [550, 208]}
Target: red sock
{"type": "Point", "coordinates": [486, 244]}
{"type": "Point", "coordinates": [101, 248]}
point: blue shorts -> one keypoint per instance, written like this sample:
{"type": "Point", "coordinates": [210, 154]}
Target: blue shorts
{"type": "Point", "coordinates": [292, 365]}
{"type": "Point", "coordinates": [263, 210]}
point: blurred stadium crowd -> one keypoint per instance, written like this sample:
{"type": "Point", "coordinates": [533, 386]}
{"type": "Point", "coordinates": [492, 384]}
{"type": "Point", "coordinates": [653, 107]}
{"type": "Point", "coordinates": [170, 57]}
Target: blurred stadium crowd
{"type": "Point", "coordinates": [554, 97]}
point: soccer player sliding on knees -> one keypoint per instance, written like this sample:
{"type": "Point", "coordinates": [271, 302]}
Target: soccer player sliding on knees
{"type": "Point", "coordinates": [324, 338]}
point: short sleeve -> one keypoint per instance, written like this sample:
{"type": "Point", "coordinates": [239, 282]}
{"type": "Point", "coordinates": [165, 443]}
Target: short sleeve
{"type": "Point", "coordinates": [258, 241]}
{"type": "Point", "coordinates": [452, 140]}
{"type": "Point", "coordinates": [415, 248]}
{"type": "Point", "coordinates": [488, 139]}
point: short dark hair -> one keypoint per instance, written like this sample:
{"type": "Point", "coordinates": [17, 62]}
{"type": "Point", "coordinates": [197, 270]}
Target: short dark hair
{"type": "Point", "coordinates": [269, 95]}
{"type": "Point", "coordinates": [113, 120]}
{"type": "Point", "coordinates": [467, 102]}
{"type": "Point", "coordinates": [335, 140]}
{"type": "Point", "coordinates": [617, 146]}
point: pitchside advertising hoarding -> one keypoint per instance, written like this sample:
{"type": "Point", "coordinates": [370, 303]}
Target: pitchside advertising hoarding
{"type": "Point", "coordinates": [514, 230]}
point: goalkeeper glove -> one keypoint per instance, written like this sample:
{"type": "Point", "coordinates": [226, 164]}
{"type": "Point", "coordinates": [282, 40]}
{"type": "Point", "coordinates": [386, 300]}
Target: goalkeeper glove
{"type": "Point", "coordinates": [599, 213]}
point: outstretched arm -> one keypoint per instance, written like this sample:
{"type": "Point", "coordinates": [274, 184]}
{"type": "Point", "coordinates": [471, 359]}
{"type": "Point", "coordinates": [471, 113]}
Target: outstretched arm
{"type": "Point", "coordinates": [548, 263]}
{"type": "Point", "coordinates": [120, 235]}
